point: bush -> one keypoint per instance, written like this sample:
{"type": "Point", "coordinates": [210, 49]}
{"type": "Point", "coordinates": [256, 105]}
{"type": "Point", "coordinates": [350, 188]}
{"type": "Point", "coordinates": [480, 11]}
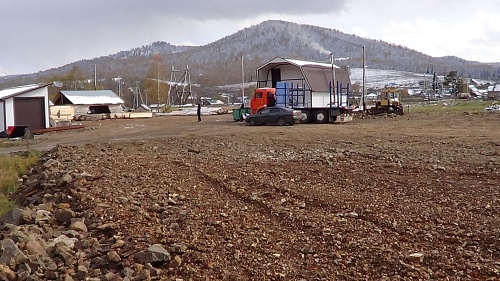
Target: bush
{"type": "Point", "coordinates": [11, 167]}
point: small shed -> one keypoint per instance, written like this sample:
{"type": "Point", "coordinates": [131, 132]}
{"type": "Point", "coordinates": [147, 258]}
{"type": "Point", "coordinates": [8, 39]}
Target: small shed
{"type": "Point", "coordinates": [25, 106]}
{"type": "Point", "coordinates": [310, 77]}
{"type": "Point", "coordinates": [494, 92]}
{"type": "Point", "coordinates": [68, 104]}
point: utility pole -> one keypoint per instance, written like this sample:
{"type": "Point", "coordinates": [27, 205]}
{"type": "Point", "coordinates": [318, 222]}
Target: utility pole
{"type": "Point", "coordinates": [333, 79]}
{"type": "Point", "coordinates": [242, 81]}
{"type": "Point", "coordinates": [364, 80]}
{"type": "Point", "coordinates": [119, 80]}
{"type": "Point", "coordinates": [158, 89]}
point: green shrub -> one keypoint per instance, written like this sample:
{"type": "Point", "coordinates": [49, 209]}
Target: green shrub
{"type": "Point", "coordinates": [11, 167]}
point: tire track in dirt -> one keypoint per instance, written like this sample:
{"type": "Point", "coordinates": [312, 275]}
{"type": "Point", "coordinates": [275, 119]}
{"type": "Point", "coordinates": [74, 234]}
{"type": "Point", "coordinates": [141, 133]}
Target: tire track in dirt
{"type": "Point", "coordinates": [405, 236]}
{"type": "Point", "coordinates": [307, 222]}
{"type": "Point", "coordinates": [292, 232]}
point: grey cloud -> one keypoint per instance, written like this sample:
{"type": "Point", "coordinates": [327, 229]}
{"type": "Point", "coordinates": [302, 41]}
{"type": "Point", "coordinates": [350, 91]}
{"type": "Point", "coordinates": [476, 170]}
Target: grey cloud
{"type": "Point", "coordinates": [41, 34]}
{"type": "Point", "coordinates": [100, 10]}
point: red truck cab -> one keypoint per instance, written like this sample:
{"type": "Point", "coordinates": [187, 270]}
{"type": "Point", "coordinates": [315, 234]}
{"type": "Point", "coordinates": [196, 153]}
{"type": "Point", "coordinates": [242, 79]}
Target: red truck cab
{"type": "Point", "coordinates": [262, 98]}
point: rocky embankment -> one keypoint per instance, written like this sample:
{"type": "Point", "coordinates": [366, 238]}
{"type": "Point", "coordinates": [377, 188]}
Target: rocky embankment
{"type": "Point", "coordinates": [50, 237]}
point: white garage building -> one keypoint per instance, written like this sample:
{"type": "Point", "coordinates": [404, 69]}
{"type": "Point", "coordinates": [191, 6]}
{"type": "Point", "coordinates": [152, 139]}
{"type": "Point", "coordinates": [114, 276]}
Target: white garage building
{"type": "Point", "coordinates": [25, 105]}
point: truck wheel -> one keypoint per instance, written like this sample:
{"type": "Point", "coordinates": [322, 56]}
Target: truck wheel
{"type": "Point", "coordinates": [281, 121]}
{"type": "Point", "coordinates": [399, 110]}
{"type": "Point", "coordinates": [306, 117]}
{"type": "Point", "coordinates": [321, 117]}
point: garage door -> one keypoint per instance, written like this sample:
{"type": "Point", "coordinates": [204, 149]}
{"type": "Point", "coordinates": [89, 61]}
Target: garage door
{"type": "Point", "coordinates": [30, 112]}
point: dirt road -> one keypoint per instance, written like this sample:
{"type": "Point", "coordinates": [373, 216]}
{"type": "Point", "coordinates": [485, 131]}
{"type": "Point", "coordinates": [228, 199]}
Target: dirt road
{"type": "Point", "coordinates": [415, 197]}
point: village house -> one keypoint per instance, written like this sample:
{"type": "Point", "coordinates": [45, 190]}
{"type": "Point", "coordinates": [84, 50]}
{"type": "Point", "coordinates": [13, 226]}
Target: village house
{"type": "Point", "coordinates": [25, 106]}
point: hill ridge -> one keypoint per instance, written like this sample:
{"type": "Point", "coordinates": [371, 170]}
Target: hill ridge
{"type": "Point", "coordinates": [219, 62]}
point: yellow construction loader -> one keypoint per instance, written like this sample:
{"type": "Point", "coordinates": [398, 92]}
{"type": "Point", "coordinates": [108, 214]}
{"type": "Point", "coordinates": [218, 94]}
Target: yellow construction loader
{"type": "Point", "coordinates": [389, 102]}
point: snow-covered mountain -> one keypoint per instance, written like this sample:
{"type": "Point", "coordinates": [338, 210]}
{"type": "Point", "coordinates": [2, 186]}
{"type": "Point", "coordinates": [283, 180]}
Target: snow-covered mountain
{"type": "Point", "coordinates": [219, 62]}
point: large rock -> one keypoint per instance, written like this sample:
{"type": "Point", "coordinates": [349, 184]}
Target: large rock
{"type": "Point", "coordinates": [65, 180]}
{"type": "Point", "coordinates": [155, 253]}
{"type": "Point", "coordinates": [11, 254]}
{"type": "Point", "coordinates": [64, 215]}
{"type": "Point", "coordinates": [42, 216]}
{"type": "Point", "coordinates": [66, 253]}
{"type": "Point", "coordinates": [69, 242]}
{"type": "Point", "coordinates": [6, 273]}
{"type": "Point", "coordinates": [51, 163]}
{"type": "Point", "coordinates": [82, 272]}
{"type": "Point", "coordinates": [416, 258]}
{"type": "Point", "coordinates": [78, 224]}
{"type": "Point", "coordinates": [114, 256]}
{"type": "Point", "coordinates": [18, 236]}
{"type": "Point", "coordinates": [176, 262]}
{"type": "Point", "coordinates": [178, 248]}
{"type": "Point", "coordinates": [14, 216]}
{"type": "Point", "coordinates": [33, 247]}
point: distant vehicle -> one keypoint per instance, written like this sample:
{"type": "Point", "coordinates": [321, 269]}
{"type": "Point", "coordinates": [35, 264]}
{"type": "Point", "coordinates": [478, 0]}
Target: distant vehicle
{"type": "Point", "coordinates": [274, 115]}
{"type": "Point", "coordinates": [389, 102]}
{"type": "Point", "coordinates": [270, 97]}
{"type": "Point", "coordinates": [319, 90]}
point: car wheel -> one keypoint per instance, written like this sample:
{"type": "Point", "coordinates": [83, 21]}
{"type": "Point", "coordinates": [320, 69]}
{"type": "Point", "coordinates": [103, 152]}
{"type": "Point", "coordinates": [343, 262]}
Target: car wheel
{"type": "Point", "coordinates": [321, 117]}
{"type": "Point", "coordinates": [251, 122]}
{"type": "Point", "coordinates": [281, 121]}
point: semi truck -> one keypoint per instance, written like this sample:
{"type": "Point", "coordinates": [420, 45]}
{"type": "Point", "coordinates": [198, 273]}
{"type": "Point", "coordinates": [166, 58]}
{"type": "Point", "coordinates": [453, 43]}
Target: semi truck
{"type": "Point", "coordinates": [304, 86]}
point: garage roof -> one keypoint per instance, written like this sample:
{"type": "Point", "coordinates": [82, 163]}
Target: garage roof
{"type": "Point", "coordinates": [15, 91]}
{"type": "Point", "coordinates": [87, 97]}
{"type": "Point", "coordinates": [299, 63]}
{"type": "Point", "coordinates": [317, 75]}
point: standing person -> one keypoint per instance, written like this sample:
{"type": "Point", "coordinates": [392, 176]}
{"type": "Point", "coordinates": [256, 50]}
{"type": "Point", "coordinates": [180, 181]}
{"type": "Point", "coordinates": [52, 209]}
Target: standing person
{"type": "Point", "coordinates": [241, 110]}
{"type": "Point", "coordinates": [198, 112]}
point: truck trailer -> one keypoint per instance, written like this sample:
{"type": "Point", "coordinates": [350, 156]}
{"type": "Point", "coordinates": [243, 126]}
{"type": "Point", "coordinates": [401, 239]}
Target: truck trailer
{"type": "Point", "coordinates": [305, 86]}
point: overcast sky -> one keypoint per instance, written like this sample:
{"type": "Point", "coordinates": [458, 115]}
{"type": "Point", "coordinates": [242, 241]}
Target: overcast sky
{"type": "Point", "coordinates": [37, 35]}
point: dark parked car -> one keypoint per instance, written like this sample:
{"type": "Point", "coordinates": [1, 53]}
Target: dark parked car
{"type": "Point", "coordinates": [274, 115]}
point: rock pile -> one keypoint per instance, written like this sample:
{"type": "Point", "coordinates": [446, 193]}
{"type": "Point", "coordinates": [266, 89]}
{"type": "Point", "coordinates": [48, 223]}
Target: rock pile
{"type": "Point", "coordinates": [49, 238]}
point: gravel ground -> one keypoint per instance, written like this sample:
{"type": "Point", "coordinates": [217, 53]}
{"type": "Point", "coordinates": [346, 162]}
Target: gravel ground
{"type": "Point", "coordinates": [408, 198]}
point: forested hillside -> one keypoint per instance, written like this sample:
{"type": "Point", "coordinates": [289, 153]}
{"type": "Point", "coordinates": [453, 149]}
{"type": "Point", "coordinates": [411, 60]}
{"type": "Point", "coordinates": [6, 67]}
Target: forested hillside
{"type": "Point", "coordinates": [219, 62]}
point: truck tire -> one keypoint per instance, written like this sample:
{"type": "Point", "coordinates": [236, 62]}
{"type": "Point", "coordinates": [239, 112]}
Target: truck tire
{"type": "Point", "coordinates": [306, 117]}
{"type": "Point", "coordinates": [320, 117]}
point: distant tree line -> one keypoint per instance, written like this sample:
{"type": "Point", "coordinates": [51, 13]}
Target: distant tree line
{"type": "Point", "coordinates": [219, 63]}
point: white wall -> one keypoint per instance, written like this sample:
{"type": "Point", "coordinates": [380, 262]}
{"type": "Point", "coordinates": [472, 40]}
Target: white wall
{"type": "Point", "coordinates": [9, 105]}
{"type": "Point", "coordinates": [2, 119]}
{"type": "Point", "coordinates": [9, 112]}
{"type": "Point", "coordinates": [320, 99]}
{"type": "Point", "coordinates": [288, 72]}
{"type": "Point", "coordinates": [291, 72]}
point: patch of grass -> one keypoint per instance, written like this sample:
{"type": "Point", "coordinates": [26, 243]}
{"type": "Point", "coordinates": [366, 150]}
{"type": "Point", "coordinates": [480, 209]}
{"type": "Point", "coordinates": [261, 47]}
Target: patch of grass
{"type": "Point", "coordinates": [5, 204]}
{"type": "Point", "coordinates": [169, 109]}
{"type": "Point", "coordinates": [450, 106]}
{"type": "Point", "coordinates": [10, 143]}
{"type": "Point", "coordinates": [11, 167]}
